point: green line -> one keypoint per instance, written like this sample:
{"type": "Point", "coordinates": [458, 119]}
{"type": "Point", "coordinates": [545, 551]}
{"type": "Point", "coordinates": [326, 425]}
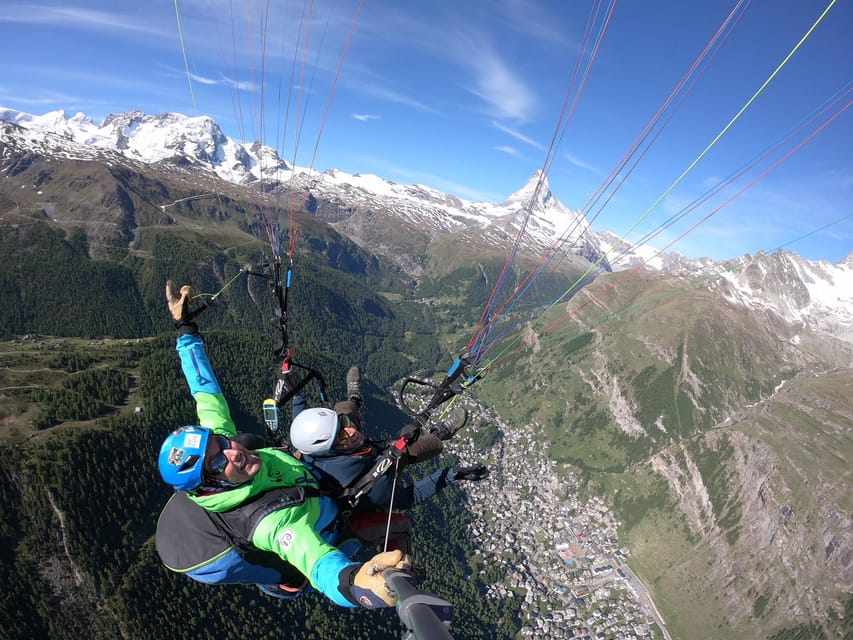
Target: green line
{"type": "Point", "coordinates": [184, 52]}
{"type": "Point", "coordinates": [718, 271]}
{"type": "Point", "coordinates": [704, 153]}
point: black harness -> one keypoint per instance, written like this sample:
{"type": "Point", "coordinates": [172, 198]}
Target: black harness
{"type": "Point", "coordinates": [189, 536]}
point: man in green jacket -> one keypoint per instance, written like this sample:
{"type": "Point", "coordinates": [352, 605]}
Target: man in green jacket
{"type": "Point", "coordinates": [265, 498]}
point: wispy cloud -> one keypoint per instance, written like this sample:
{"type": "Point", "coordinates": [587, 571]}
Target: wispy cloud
{"type": "Point", "coordinates": [12, 96]}
{"type": "Point", "coordinates": [203, 80]}
{"type": "Point", "coordinates": [517, 135]}
{"type": "Point", "coordinates": [410, 176]}
{"type": "Point", "coordinates": [364, 117]}
{"type": "Point", "coordinates": [510, 151]}
{"type": "Point", "coordinates": [76, 17]}
{"type": "Point", "coordinates": [240, 85]}
{"type": "Point", "coordinates": [533, 19]}
{"type": "Point", "coordinates": [444, 185]}
{"type": "Point", "coordinates": [456, 38]}
{"type": "Point", "coordinates": [221, 80]}
{"type": "Point", "coordinates": [506, 95]}
{"type": "Point", "coordinates": [581, 164]}
{"type": "Point", "coordinates": [95, 87]}
{"type": "Point", "coordinates": [384, 93]}
{"type": "Point", "coordinates": [842, 179]}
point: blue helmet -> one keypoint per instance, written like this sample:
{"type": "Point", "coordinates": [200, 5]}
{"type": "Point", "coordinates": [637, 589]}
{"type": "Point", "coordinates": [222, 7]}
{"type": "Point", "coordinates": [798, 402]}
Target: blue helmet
{"type": "Point", "coordinates": [182, 457]}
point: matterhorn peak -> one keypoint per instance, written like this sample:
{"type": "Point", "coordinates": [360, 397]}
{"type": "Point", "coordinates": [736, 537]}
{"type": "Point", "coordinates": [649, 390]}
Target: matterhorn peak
{"type": "Point", "coordinates": [536, 193]}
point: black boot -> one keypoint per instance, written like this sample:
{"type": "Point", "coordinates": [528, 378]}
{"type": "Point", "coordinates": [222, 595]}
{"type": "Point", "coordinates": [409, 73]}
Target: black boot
{"type": "Point", "coordinates": [451, 424]}
{"type": "Point", "coordinates": [354, 385]}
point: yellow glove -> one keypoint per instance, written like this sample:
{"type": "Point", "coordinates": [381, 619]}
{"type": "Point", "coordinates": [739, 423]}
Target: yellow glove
{"type": "Point", "coordinates": [369, 587]}
{"type": "Point", "coordinates": [179, 307]}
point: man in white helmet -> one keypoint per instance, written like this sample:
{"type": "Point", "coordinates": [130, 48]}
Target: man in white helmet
{"type": "Point", "coordinates": [332, 441]}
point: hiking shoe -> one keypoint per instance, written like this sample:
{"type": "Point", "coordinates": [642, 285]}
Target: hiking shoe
{"type": "Point", "coordinates": [354, 385]}
{"type": "Point", "coordinates": [448, 427]}
{"type": "Point", "coordinates": [476, 472]}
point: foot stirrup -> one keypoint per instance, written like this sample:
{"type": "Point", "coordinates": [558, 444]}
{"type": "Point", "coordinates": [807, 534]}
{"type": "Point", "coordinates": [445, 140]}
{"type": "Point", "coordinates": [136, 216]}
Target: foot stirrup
{"type": "Point", "coordinates": [451, 424]}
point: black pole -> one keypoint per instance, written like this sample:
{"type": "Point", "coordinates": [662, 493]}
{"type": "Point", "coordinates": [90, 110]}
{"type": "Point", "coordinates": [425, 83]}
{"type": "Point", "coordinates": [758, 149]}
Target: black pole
{"type": "Point", "coordinates": [425, 616]}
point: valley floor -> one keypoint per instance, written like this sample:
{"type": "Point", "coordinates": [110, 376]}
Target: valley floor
{"type": "Point", "coordinates": [559, 553]}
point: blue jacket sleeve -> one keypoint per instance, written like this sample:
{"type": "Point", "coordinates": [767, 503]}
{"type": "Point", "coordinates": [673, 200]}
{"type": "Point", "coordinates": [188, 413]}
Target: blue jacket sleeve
{"type": "Point", "coordinates": [195, 365]}
{"type": "Point", "coordinates": [328, 575]}
{"type": "Point", "coordinates": [211, 406]}
{"type": "Point", "coordinates": [431, 485]}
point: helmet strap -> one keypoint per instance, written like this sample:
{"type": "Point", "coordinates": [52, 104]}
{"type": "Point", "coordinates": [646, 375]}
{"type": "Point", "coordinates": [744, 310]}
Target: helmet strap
{"type": "Point", "coordinates": [217, 485]}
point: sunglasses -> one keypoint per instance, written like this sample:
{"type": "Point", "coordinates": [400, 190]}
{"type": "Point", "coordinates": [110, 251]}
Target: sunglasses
{"type": "Point", "coordinates": [219, 461]}
{"type": "Point", "coordinates": [343, 437]}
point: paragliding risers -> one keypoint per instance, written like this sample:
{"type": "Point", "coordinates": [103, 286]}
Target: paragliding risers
{"type": "Point", "coordinates": [425, 616]}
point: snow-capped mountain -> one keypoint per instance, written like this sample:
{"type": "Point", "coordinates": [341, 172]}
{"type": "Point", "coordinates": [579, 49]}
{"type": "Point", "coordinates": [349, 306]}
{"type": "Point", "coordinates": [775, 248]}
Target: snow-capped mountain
{"type": "Point", "coordinates": [801, 292]}
{"type": "Point", "coordinates": [623, 255]}
{"type": "Point", "coordinates": [547, 222]}
{"type": "Point", "coordinates": [150, 139]}
{"type": "Point", "coordinates": [805, 293]}
{"type": "Point", "coordinates": [384, 215]}
{"type": "Point", "coordinates": [200, 141]}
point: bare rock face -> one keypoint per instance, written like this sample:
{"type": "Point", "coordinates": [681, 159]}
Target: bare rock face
{"type": "Point", "coordinates": [776, 523]}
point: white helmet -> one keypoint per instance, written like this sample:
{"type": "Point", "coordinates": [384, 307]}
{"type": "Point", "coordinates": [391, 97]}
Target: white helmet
{"type": "Point", "coordinates": [314, 431]}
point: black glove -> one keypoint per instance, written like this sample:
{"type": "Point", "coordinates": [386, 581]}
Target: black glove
{"type": "Point", "coordinates": [474, 473]}
{"type": "Point", "coordinates": [179, 307]}
{"type": "Point", "coordinates": [411, 431]}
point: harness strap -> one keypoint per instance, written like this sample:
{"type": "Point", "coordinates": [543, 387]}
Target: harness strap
{"type": "Point", "coordinates": [390, 457]}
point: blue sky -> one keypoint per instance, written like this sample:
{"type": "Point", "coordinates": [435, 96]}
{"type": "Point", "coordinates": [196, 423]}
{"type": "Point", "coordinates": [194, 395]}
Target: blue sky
{"type": "Point", "coordinates": [466, 97]}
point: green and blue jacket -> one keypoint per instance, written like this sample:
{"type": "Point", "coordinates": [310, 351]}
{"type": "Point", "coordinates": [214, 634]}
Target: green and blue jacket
{"type": "Point", "coordinates": [301, 532]}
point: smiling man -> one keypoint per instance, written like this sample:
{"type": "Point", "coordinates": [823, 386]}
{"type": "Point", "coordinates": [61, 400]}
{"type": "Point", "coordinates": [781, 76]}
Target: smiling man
{"type": "Point", "coordinates": [264, 499]}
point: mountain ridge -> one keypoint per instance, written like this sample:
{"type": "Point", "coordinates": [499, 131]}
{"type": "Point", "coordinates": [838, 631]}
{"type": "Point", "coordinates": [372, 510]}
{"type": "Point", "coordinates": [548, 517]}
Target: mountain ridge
{"type": "Point", "coordinates": [400, 222]}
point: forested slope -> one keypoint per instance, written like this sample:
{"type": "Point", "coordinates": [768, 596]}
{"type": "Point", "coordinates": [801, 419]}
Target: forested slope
{"type": "Point", "coordinates": [80, 500]}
